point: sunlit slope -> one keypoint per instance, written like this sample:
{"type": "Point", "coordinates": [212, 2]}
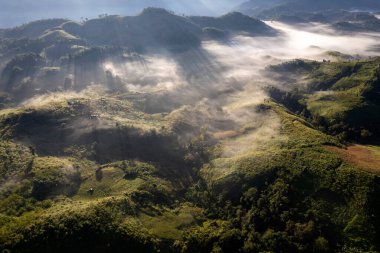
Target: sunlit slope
{"type": "Point", "coordinates": [132, 203]}
{"type": "Point", "coordinates": [340, 97]}
{"type": "Point", "coordinates": [294, 172]}
{"type": "Point", "coordinates": [75, 189]}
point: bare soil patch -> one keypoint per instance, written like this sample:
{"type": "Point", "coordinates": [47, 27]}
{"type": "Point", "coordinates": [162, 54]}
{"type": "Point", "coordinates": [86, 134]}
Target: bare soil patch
{"type": "Point", "coordinates": [366, 158]}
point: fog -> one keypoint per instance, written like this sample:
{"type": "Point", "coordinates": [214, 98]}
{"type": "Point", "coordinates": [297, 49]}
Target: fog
{"type": "Point", "coordinates": [244, 54]}
{"type": "Point", "coordinates": [242, 63]}
{"type": "Point", "coordinates": [153, 73]}
{"type": "Point", "coordinates": [217, 87]}
{"type": "Point", "coordinates": [245, 58]}
{"type": "Point", "coordinates": [299, 40]}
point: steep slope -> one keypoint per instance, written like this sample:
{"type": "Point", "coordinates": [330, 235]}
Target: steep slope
{"type": "Point", "coordinates": [339, 96]}
{"type": "Point", "coordinates": [152, 28]}
{"type": "Point", "coordinates": [270, 185]}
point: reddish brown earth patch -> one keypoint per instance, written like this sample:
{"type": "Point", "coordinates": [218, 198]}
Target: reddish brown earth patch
{"type": "Point", "coordinates": [366, 158]}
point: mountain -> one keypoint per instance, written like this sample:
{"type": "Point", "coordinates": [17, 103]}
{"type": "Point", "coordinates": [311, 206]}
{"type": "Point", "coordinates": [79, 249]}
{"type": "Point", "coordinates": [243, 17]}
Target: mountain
{"type": "Point", "coordinates": [235, 22]}
{"type": "Point", "coordinates": [78, 50]}
{"type": "Point", "coordinates": [272, 9]}
{"type": "Point", "coordinates": [345, 16]}
{"type": "Point", "coordinates": [75, 10]}
{"type": "Point", "coordinates": [336, 93]}
{"type": "Point", "coordinates": [154, 28]}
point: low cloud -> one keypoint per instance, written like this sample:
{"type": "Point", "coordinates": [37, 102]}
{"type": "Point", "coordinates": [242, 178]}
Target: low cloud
{"type": "Point", "coordinates": [217, 87]}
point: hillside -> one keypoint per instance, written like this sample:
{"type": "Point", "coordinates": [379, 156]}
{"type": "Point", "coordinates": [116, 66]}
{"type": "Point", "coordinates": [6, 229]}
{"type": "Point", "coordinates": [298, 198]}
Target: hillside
{"type": "Point", "coordinates": [152, 28]}
{"type": "Point", "coordinates": [293, 193]}
{"type": "Point", "coordinates": [339, 96]}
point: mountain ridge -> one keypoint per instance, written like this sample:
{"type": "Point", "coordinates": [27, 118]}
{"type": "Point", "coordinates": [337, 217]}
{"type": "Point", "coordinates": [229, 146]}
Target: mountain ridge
{"type": "Point", "coordinates": [275, 8]}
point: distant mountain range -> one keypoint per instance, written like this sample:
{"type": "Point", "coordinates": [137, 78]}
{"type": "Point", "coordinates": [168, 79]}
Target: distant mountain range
{"type": "Point", "coordinates": [153, 28]}
{"type": "Point", "coordinates": [23, 11]}
{"type": "Point", "coordinates": [344, 21]}
{"type": "Point", "coordinates": [268, 9]}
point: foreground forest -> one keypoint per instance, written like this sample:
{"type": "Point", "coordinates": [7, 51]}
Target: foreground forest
{"type": "Point", "coordinates": [140, 134]}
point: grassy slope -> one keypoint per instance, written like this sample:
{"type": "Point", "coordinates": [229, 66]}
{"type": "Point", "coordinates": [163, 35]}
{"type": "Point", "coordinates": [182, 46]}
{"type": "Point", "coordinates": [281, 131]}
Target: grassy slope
{"type": "Point", "coordinates": [340, 97]}
{"type": "Point", "coordinates": [39, 190]}
{"type": "Point", "coordinates": [345, 83]}
{"type": "Point", "coordinates": [303, 176]}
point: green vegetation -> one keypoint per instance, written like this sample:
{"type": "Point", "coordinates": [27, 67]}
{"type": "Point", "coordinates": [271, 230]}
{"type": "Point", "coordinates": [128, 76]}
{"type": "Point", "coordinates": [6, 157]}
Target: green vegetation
{"type": "Point", "coordinates": [53, 177]}
{"type": "Point", "coordinates": [170, 224]}
{"type": "Point", "coordinates": [295, 197]}
{"type": "Point", "coordinates": [290, 194]}
{"type": "Point", "coordinates": [340, 97]}
{"type": "Point", "coordinates": [90, 162]}
{"type": "Point", "coordinates": [258, 189]}
{"type": "Point", "coordinates": [98, 228]}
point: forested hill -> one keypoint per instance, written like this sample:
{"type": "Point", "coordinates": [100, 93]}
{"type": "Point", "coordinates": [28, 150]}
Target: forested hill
{"type": "Point", "coordinates": [167, 133]}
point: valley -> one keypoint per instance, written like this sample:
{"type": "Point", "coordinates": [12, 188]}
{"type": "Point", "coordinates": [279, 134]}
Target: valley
{"type": "Point", "coordinates": [171, 133]}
